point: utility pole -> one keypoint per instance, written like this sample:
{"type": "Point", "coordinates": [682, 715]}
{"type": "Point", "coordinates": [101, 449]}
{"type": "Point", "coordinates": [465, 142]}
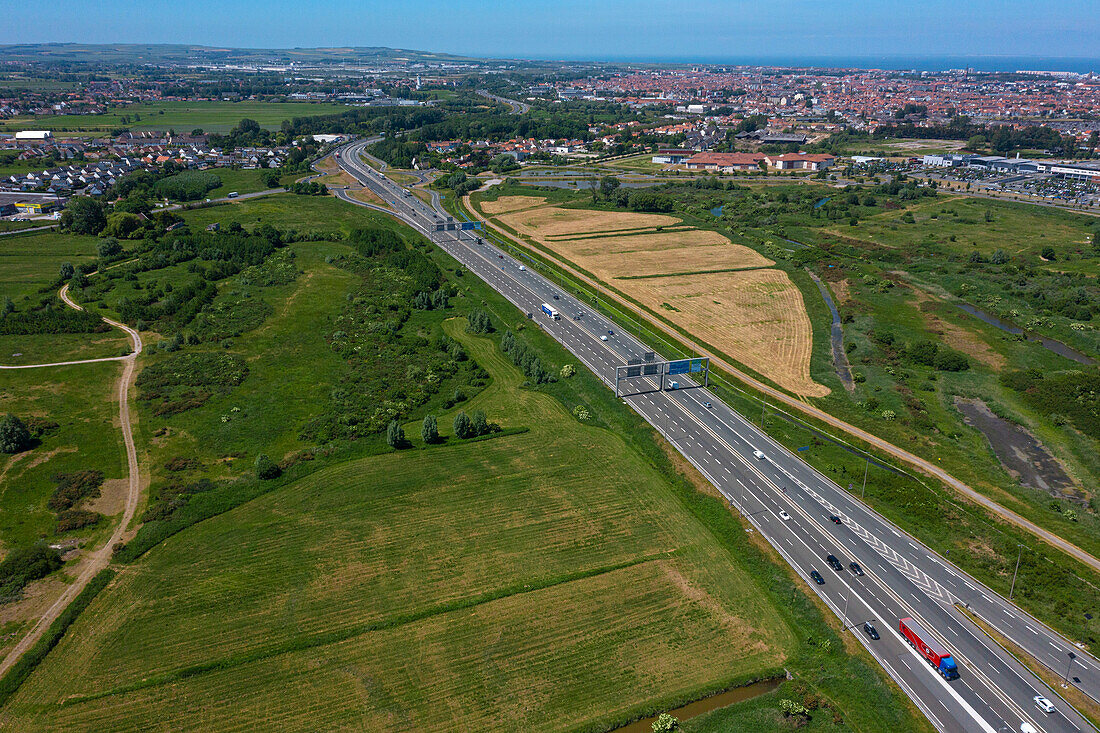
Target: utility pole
{"type": "Point", "coordinates": [763, 407]}
{"type": "Point", "coordinates": [1019, 553]}
{"type": "Point", "coordinates": [866, 468]}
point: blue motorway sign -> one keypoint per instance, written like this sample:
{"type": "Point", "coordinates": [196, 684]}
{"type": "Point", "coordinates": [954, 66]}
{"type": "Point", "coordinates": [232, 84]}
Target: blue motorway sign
{"type": "Point", "coordinates": [679, 367]}
{"type": "Point", "coordinates": [696, 365]}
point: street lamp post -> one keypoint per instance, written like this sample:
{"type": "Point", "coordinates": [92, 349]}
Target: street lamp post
{"type": "Point", "coordinates": [1069, 666]}
{"type": "Point", "coordinates": [1019, 553]}
{"type": "Point", "coordinates": [866, 468]}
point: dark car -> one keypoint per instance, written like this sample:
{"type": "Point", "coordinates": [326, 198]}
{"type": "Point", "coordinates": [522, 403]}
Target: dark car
{"type": "Point", "coordinates": [500, 257]}
{"type": "Point", "coordinates": [834, 563]}
{"type": "Point", "coordinates": [855, 568]}
{"type": "Point", "coordinates": [834, 519]}
{"type": "Point", "coordinates": [557, 297]}
{"type": "Point", "coordinates": [610, 332]}
{"type": "Point", "coordinates": [817, 577]}
{"type": "Point", "coordinates": [870, 630]}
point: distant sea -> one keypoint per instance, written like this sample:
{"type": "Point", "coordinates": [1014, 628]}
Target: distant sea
{"type": "Point", "coordinates": [900, 63]}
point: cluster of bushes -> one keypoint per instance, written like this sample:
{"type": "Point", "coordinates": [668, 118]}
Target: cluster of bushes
{"type": "Point", "coordinates": [390, 370]}
{"type": "Point", "coordinates": [525, 358]}
{"type": "Point", "coordinates": [187, 186]}
{"type": "Point", "coordinates": [183, 381]}
{"type": "Point", "coordinates": [308, 188]}
{"type": "Point", "coordinates": [1072, 395]}
{"type": "Point", "coordinates": [24, 564]}
{"type": "Point", "coordinates": [15, 437]}
{"type": "Point", "coordinates": [937, 356]}
{"type": "Point", "coordinates": [166, 499]}
{"type": "Point", "coordinates": [478, 321]}
{"type": "Point", "coordinates": [466, 426]}
{"type": "Point", "coordinates": [925, 352]}
{"type": "Point", "coordinates": [461, 184]}
{"type": "Point", "coordinates": [73, 488]}
{"type": "Point", "coordinates": [50, 318]}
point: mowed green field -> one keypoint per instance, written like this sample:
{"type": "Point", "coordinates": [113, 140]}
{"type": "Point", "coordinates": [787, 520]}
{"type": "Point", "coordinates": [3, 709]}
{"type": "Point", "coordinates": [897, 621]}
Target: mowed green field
{"type": "Point", "coordinates": [180, 116]}
{"type": "Point", "coordinates": [540, 581]}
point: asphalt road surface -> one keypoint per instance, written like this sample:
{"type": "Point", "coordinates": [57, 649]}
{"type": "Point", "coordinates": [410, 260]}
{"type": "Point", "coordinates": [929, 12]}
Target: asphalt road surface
{"type": "Point", "coordinates": [901, 577]}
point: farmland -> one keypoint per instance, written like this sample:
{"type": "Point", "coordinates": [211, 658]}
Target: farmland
{"type": "Point", "coordinates": [689, 275]}
{"type": "Point", "coordinates": [605, 551]}
{"type": "Point", "coordinates": [183, 117]}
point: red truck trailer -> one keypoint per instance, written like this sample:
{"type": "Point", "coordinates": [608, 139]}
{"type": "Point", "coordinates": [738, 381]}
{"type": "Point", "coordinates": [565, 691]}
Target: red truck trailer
{"type": "Point", "coordinates": [929, 648]}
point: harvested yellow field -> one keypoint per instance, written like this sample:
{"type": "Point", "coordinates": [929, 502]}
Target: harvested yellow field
{"type": "Point", "coordinates": [550, 221]}
{"type": "Point", "coordinates": [505, 204]}
{"type": "Point", "coordinates": [614, 266]}
{"type": "Point", "coordinates": [657, 253]}
{"type": "Point", "coordinates": [644, 241]}
{"type": "Point", "coordinates": [756, 316]}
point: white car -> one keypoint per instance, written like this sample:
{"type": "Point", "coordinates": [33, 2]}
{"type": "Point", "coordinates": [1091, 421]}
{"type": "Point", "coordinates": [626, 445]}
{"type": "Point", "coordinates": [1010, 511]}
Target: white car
{"type": "Point", "coordinates": [1043, 704]}
{"type": "Point", "coordinates": [760, 455]}
{"type": "Point", "coordinates": [784, 516]}
{"type": "Point", "coordinates": [522, 268]}
{"type": "Point", "coordinates": [603, 338]}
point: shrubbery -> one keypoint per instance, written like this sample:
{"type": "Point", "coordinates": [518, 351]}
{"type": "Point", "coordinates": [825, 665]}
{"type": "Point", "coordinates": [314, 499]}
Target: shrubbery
{"type": "Point", "coordinates": [14, 435]}
{"type": "Point", "coordinates": [24, 564]}
{"type": "Point", "coordinates": [187, 380]}
{"type": "Point", "coordinates": [525, 358]}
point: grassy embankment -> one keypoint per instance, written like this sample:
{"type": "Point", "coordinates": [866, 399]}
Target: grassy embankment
{"type": "Point", "coordinates": [981, 545]}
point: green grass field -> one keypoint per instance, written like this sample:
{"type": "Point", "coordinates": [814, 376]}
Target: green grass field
{"type": "Point", "coordinates": [180, 116]}
{"type": "Point", "coordinates": [31, 261]}
{"type": "Point", "coordinates": [542, 580]}
{"type": "Point", "coordinates": [80, 398]}
{"type": "Point", "coordinates": [1015, 228]}
{"type": "Point", "coordinates": [323, 214]}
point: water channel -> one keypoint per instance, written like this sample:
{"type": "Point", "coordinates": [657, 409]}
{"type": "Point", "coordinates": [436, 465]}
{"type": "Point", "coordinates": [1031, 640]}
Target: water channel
{"type": "Point", "coordinates": [692, 709]}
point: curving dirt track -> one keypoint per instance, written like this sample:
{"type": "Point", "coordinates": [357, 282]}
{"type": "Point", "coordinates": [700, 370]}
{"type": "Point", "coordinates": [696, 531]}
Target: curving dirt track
{"type": "Point", "coordinates": [99, 559]}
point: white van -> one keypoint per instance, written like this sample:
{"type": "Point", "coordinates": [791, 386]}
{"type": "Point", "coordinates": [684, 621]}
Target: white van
{"type": "Point", "coordinates": [1043, 704]}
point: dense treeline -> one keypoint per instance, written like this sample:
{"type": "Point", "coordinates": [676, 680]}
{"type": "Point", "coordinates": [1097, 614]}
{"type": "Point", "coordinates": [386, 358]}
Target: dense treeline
{"type": "Point", "coordinates": [51, 319]}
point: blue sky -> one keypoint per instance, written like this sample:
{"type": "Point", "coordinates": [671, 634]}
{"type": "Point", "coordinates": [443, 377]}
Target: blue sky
{"type": "Point", "coordinates": [599, 29]}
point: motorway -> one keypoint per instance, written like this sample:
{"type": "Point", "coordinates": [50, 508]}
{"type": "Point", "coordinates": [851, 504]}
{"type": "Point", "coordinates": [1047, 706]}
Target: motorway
{"type": "Point", "coordinates": [902, 577]}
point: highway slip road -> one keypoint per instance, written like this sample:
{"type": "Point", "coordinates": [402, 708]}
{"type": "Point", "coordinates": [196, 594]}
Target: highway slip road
{"type": "Point", "coordinates": [791, 505]}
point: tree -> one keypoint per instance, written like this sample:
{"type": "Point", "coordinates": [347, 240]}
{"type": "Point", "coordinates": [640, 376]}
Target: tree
{"type": "Point", "coordinates": [429, 429]}
{"type": "Point", "coordinates": [124, 225]}
{"type": "Point", "coordinates": [109, 247]}
{"type": "Point", "coordinates": [999, 257]}
{"type": "Point", "coordinates": [84, 215]}
{"type": "Point", "coordinates": [463, 428]}
{"type": "Point", "coordinates": [67, 271]}
{"type": "Point", "coordinates": [266, 468]}
{"type": "Point", "coordinates": [9, 307]}
{"type": "Point", "coordinates": [14, 435]}
{"type": "Point", "coordinates": [395, 434]}
{"type": "Point", "coordinates": [608, 184]}
{"type": "Point", "coordinates": [479, 423]}
{"type": "Point", "coordinates": [79, 281]}
{"type": "Point", "coordinates": [666, 723]}
{"type": "Point", "coordinates": [1048, 254]}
